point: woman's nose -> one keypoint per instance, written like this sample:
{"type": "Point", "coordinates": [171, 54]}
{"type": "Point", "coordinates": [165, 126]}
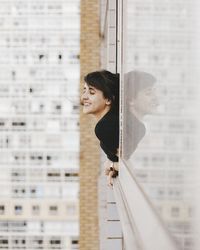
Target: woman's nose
{"type": "Point", "coordinates": [85, 95]}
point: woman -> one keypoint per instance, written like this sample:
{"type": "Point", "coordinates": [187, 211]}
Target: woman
{"type": "Point", "coordinates": [101, 99]}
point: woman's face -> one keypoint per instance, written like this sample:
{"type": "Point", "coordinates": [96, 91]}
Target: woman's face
{"type": "Point", "coordinates": [94, 102]}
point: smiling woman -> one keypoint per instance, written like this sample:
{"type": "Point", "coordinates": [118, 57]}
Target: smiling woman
{"type": "Point", "coordinates": [100, 98]}
{"type": "Point", "coordinates": [94, 102]}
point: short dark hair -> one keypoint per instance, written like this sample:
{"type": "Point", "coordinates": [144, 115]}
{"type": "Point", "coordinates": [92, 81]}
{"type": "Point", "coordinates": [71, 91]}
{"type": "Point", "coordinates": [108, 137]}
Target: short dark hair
{"type": "Point", "coordinates": [108, 83]}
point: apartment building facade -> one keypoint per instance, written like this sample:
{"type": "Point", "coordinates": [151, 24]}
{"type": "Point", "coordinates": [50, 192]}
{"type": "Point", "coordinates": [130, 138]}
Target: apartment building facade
{"type": "Point", "coordinates": [39, 123]}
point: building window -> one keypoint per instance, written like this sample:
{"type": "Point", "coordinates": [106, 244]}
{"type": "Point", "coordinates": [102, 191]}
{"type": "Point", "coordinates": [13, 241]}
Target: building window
{"type": "Point", "coordinates": [4, 243]}
{"type": "Point", "coordinates": [74, 243]}
{"type": "Point", "coordinates": [55, 243]}
{"type": "Point", "coordinates": [35, 209]}
{"type": "Point", "coordinates": [18, 209]}
{"type": "Point", "coordinates": [71, 176]}
{"type": "Point", "coordinates": [175, 211]}
{"type": "Point", "coordinates": [53, 209]}
{"type": "Point", "coordinates": [18, 243]}
{"type": "Point", "coordinates": [37, 242]}
{"type": "Point", "coordinates": [2, 209]}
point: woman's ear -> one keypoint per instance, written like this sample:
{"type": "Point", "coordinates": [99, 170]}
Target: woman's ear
{"type": "Point", "coordinates": [108, 102]}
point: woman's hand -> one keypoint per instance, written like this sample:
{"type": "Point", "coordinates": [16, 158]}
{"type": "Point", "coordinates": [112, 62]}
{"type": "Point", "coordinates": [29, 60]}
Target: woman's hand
{"type": "Point", "coordinates": [111, 171]}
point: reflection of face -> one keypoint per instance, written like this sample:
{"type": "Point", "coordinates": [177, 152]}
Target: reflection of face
{"type": "Point", "coordinates": [93, 101]}
{"type": "Point", "coordinates": [146, 101]}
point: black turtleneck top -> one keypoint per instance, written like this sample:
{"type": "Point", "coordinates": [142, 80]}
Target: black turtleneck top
{"type": "Point", "coordinates": [107, 131]}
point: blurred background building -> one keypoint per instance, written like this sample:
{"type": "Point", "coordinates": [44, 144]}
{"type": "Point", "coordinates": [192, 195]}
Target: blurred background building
{"type": "Point", "coordinates": [154, 204]}
{"type": "Point", "coordinates": [39, 123]}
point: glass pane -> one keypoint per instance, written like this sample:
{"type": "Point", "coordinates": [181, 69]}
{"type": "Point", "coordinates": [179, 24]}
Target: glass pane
{"type": "Point", "coordinates": [160, 108]}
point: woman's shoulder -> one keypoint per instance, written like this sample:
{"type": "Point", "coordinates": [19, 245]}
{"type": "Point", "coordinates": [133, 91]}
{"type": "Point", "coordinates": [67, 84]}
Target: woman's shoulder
{"type": "Point", "coordinates": [108, 120]}
{"type": "Point", "coordinates": [107, 124]}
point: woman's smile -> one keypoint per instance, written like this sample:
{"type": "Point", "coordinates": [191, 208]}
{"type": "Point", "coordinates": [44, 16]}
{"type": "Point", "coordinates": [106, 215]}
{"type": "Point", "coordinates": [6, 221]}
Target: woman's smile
{"type": "Point", "coordinates": [94, 102]}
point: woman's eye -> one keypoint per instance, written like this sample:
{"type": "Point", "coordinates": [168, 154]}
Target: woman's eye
{"type": "Point", "coordinates": [92, 92]}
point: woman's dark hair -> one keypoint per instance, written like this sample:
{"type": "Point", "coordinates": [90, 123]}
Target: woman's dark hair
{"type": "Point", "coordinates": [108, 83]}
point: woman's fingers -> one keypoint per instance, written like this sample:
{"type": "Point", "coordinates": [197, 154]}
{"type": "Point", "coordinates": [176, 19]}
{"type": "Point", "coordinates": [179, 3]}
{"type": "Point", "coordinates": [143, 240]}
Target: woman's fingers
{"type": "Point", "coordinates": [106, 171]}
{"type": "Point", "coordinates": [107, 165]}
{"type": "Point", "coordinates": [110, 179]}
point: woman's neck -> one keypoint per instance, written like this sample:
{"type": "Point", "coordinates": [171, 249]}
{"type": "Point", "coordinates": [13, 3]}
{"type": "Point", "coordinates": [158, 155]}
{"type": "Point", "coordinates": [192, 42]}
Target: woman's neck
{"type": "Point", "coordinates": [99, 115]}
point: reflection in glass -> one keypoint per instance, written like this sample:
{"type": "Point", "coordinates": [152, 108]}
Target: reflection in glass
{"type": "Point", "coordinates": [140, 100]}
{"type": "Point", "coordinates": [160, 148]}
